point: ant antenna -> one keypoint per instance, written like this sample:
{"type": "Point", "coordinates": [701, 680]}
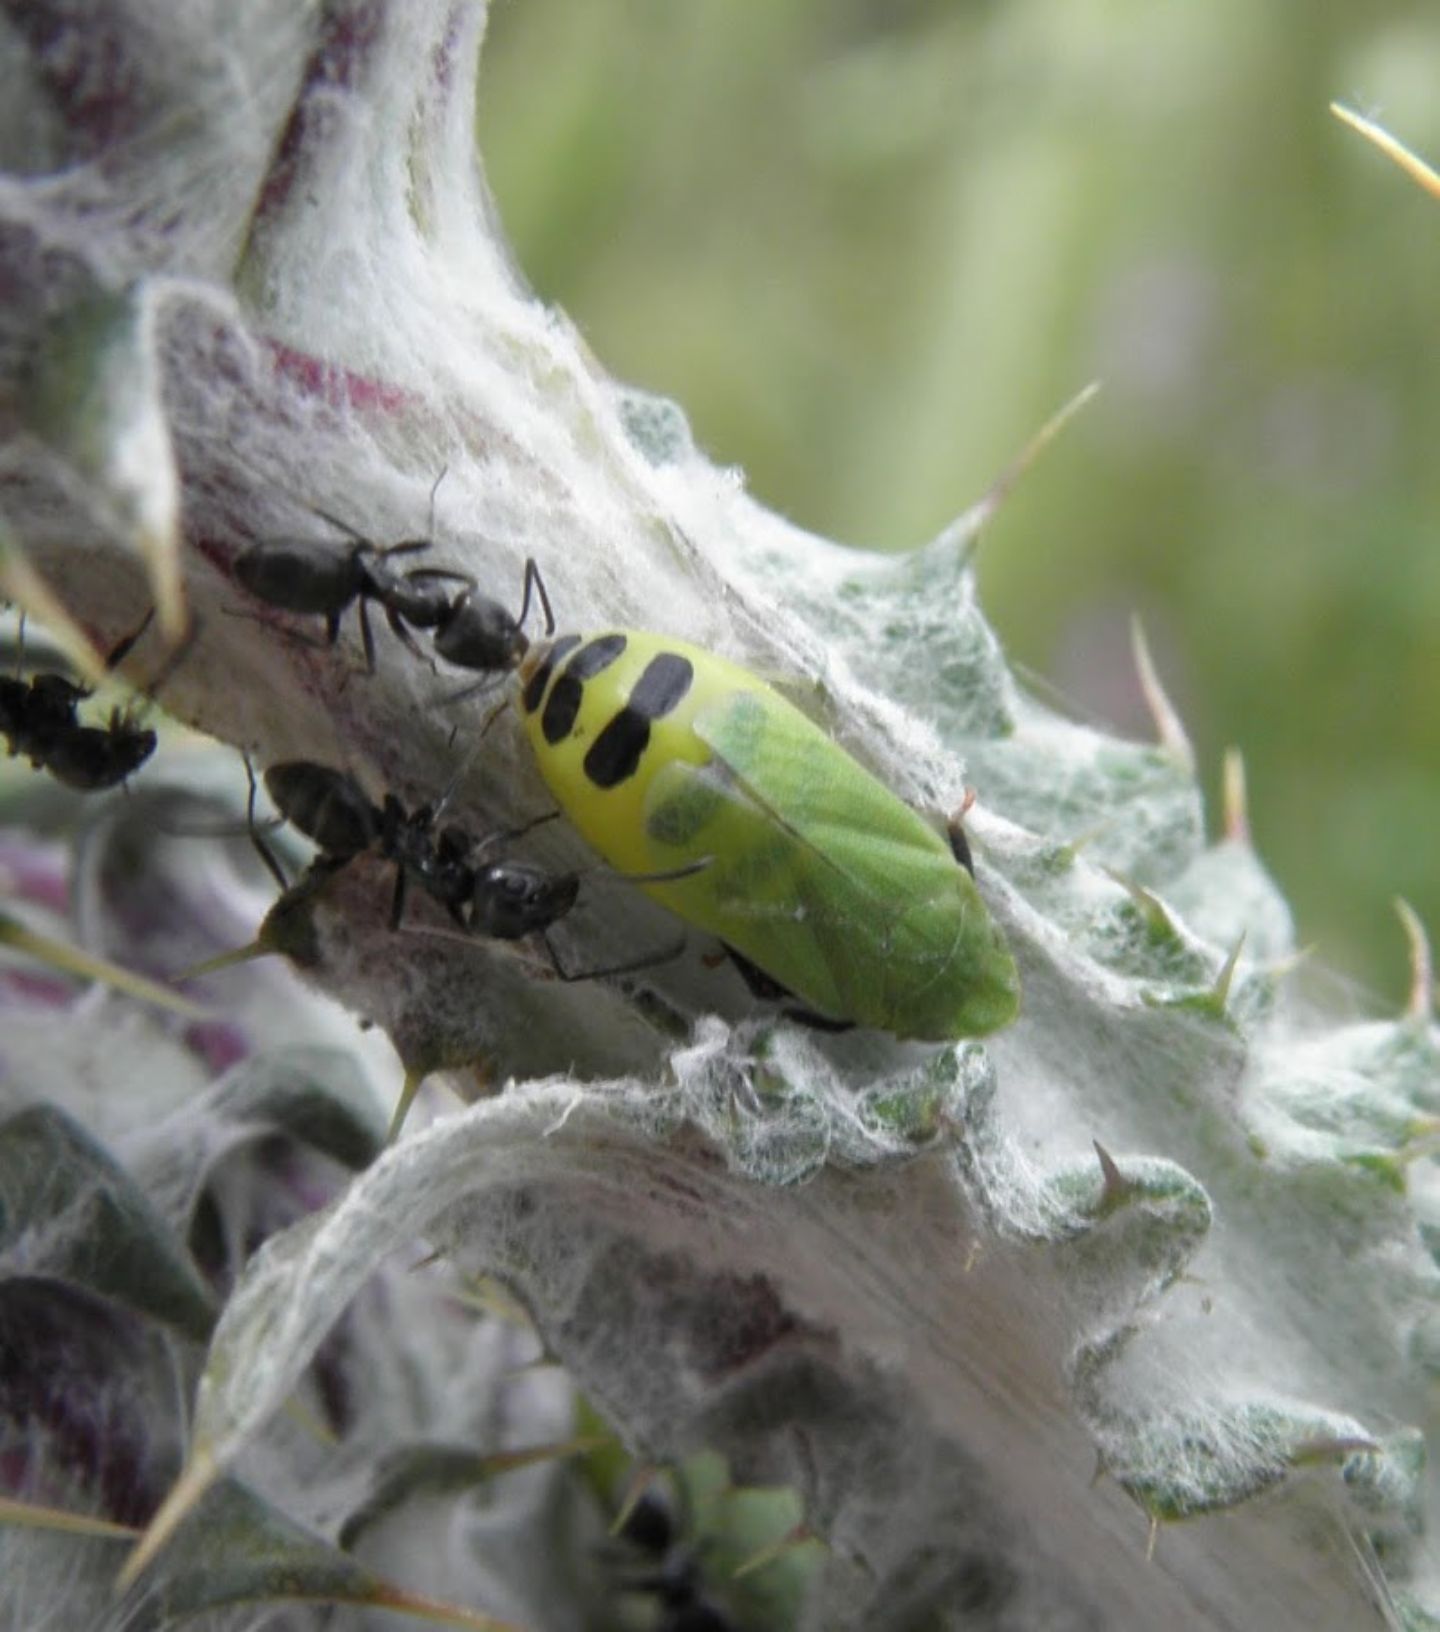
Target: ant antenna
{"type": "Point", "coordinates": [533, 579]}
{"type": "Point", "coordinates": [462, 769]}
{"type": "Point", "coordinates": [430, 524]}
{"type": "Point", "coordinates": [509, 835]}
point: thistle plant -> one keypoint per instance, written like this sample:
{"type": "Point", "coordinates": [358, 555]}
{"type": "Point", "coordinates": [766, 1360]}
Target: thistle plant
{"type": "Point", "coordinates": [1125, 1317]}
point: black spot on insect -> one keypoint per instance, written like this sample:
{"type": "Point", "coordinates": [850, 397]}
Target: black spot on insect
{"type": "Point", "coordinates": [616, 753]}
{"type": "Point", "coordinates": [562, 708]}
{"type": "Point", "coordinates": [535, 686]}
{"type": "Point", "coordinates": [595, 656]}
{"type": "Point", "coordinates": [666, 680]}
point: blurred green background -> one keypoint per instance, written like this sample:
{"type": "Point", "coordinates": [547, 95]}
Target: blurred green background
{"type": "Point", "coordinates": [870, 247]}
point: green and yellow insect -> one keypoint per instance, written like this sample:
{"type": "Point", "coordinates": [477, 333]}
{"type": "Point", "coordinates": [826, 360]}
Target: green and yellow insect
{"type": "Point", "coordinates": [661, 753]}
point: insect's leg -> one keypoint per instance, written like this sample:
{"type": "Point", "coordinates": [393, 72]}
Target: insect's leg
{"type": "Point", "coordinates": [367, 635]}
{"type": "Point", "coordinates": [769, 990]}
{"type": "Point", "coordinates": [817, 1022]}
{"type": "Point", "coordinates": [19, 651]}
{"type": "Point", "coordinates": [407, 640]}
{"type": "Point", "coordinates": [473, 690]}
{"type": "Point", "coordinates": [332, 625]}
{"type": "Point", "coordinates": [649, 961]}
{"type": "Point", "coordinates": [761, 985]}
{"type": "Point", "coordinates": [668, 875]}
{"type": "Point", "coordinates": [467, 578]}
{"type": "Point", "coordinates": [173, 660]}
{"type": "Point", "coordinates": [397, 901]}
{"type": "Point", "coordinates": [959, 844]}
{"type": "Point", "coordinates": [262, 849]}
{"type": "Point", "coordinates": [335, 521]}
{"type": "Point", "coordinates": [122, 647]}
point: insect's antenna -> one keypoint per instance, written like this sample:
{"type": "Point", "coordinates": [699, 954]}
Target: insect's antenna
{"type": "Point", "coordinates": [430, 524]}
{"type": "Point", "coordinates": [475, 689]}
{"type": "Point", "coordinates": [671, 875]}
{"type": "Point", "coordinates": [178, 654]}
{"type": "Point", "coordinates": [510, 834]}
{"type": "Point", "coordinates": [457, 776]}
{"type": "Point", "coordinates": [534, 581]}
{"type": "Point", "coordinates": [463, 767]}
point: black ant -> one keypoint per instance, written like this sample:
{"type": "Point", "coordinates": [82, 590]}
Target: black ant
{"type": "Point", "coordinates": [672, 1574]}
{"type": "Point", "coordinates": [499, 899]}
{"type": "Point", "coordinates": [39, 718]}
{"type": "Point", "coordinates": [308, 575]}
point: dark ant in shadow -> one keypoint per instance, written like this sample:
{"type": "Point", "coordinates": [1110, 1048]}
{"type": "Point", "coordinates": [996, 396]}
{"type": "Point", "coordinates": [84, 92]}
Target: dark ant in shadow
{"type": "Point", "coordinates": [499, 899]}
{"type": "Point", "coordinates": [666, 1569]}
{"type": "Point", "coordinates": [39, 718]}
{"type": "Point", "coordinates": [312, 576]}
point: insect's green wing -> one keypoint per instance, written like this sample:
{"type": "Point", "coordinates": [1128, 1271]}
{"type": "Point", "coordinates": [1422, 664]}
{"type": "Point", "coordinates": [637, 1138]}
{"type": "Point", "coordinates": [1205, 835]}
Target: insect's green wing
{"type": "Point", "coordinates": [826, 880]}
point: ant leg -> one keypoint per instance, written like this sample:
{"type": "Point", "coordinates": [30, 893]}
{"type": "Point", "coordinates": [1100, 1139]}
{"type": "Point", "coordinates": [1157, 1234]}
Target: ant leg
{"type": "Point", "coordinates": [769, 990]}
{"type": "Point", "coordinates": [367, 636]}
{"type": "Point", "coordinates": [466, 578]}
{"type": "Point", "coordinates": [175, 658]}
{"type": "Point", "coordinates": [262, 849]}
{"type": "Point", "coordinates": [122, 648]}
{"type": "Point", "coordinates": [649, 961]}
{"type": "Point", "coordinates": [407, 640]}
{"type": "Point", "coordinates": [669, 875]}
{"type": "Point", "coordinates": [397, 901]}
{"type": "Point", "coordinates": [475, 689]}
{"type": "Point", "coordinates": [959, 844]}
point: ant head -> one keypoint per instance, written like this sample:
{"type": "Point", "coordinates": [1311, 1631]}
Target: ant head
{"type": "Point", "coordinates": [512, 899]}
{"type": "Point", "coordinates": [480, 634]}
